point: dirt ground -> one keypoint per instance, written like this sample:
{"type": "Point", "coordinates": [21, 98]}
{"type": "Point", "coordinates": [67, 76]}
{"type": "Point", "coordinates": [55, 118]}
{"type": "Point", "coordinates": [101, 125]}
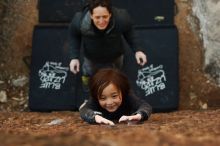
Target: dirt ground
{"type": "Point", "coordinates": [188, 128]}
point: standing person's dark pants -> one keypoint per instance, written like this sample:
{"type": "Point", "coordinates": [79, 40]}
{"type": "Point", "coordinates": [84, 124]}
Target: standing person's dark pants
{"type": "Point", "coordinates": [89, 68]}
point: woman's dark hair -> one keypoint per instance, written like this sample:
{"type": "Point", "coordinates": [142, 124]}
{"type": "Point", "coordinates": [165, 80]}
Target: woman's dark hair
{"type": "Point", "coordinates": [104, 77]}
{"type": "Point", "coordinates": [103, 3]}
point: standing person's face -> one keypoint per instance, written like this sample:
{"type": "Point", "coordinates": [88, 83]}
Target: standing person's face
{"type": "Point", "coordinates": [111, 98]}
{"type": "Point", "coordinates": [101, 17]}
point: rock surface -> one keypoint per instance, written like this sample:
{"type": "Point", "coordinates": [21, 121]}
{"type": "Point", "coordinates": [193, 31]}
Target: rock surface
{"type": "Point", "coordinates": [207, 13]}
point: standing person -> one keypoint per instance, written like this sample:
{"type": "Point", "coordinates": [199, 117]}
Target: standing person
{"type": "Point", "coordinates": [111, 99]}
{"type": "Point", "coordinates": [100, 30]}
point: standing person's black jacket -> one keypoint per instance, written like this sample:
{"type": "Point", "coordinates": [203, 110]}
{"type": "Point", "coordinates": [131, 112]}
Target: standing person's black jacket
{"type": "Point", "coordinates": [102, 46]}
{"type": "Point", "coordinates": [131, 105]}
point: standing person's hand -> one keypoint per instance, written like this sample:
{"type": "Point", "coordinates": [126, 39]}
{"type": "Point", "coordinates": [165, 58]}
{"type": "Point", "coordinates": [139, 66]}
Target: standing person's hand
{"type": "Point", "coordinates": [99, 119]}
{"type": "Point", "coordinates": [74, 66]}
{"type": "Point", "coordinates": [141, 58]}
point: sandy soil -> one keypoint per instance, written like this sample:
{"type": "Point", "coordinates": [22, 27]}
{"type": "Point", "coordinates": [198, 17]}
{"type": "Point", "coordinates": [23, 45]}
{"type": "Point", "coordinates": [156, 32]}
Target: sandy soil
{"type": "Point", "coordinates": [190, 128]}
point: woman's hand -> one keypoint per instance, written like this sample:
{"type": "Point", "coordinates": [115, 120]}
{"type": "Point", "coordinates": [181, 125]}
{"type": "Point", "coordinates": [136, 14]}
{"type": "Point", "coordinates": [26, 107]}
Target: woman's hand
{"type": "Point", "coordinates": [136, 118]}
{"type": "Point", "coordinates": [74, 66]}
{"type": "Point", "coordinates": [141, 58]}
{"type": "Point", "coordinates": [99, 119]}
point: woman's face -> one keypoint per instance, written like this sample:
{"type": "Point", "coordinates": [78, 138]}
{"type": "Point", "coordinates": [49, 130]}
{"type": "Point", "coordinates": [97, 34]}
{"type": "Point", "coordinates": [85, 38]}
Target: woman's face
{"type": "Point", "coordinates": [111, 98]}
{"type": "Point", "coordinates": [101, 17]}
